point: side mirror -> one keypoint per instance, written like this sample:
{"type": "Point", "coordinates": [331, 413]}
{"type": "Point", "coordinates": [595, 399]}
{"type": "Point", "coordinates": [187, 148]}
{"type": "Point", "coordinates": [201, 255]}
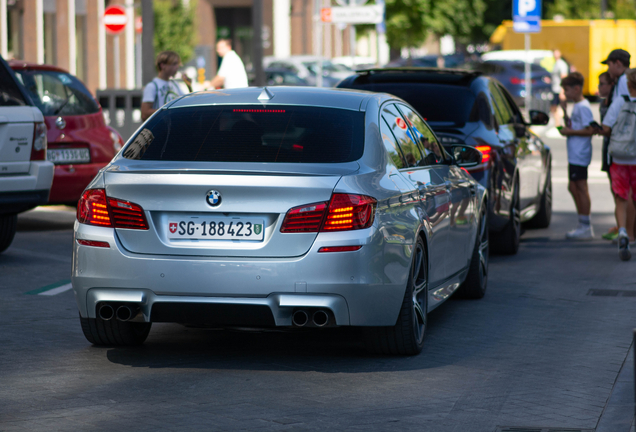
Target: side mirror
{"type": "Point", "coordinates": [539, 118]}
{"type": "Point", "coordinates": [466, 156]}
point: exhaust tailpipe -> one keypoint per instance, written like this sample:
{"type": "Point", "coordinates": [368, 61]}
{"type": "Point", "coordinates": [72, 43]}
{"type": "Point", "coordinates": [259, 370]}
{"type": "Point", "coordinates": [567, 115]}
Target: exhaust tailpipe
{"type": "Point", "coordinates": [320, 318]}
{"type": "Point", "coordinates": [124, 313]}
{"type": "Point", "coordinates": [300, 318]}
{"type": "Point", "coordinates": [106, 312]}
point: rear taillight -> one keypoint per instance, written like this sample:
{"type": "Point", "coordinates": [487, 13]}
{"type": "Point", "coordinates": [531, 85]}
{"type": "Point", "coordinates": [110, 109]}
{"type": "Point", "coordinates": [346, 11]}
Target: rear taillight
{"type": "Point", "coordinates": [343, 212]}
{"type": "Point", "coordinates": [127, 215]}
{"type": "Point", "coordinates": [521, 81]}
{"type": "Point", "coordinates": [95, 208]}
{"type": "Point", "coordinates": [38, 151]}
{"type": "Point", "coordinates": [349, 212]}
{"type": "Point", "coordinates": [307, 218]}
{"type": "Point", "coordinates": [485, 152]}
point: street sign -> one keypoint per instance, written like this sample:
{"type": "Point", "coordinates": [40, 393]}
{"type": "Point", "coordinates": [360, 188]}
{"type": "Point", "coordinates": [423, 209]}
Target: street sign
{"type": "Point", "coordinates": [115, 19]}
{"type": "Point", "coordinates": [526, 16]}
{"type": "Point", "coordinates": [353, 14]}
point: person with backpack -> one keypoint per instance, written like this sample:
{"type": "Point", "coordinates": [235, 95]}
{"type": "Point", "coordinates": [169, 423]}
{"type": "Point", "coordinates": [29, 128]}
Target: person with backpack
{"type": "Point", "coordinates": [620, 124]}
{"type": "Point", "coordinates": [163, 89]}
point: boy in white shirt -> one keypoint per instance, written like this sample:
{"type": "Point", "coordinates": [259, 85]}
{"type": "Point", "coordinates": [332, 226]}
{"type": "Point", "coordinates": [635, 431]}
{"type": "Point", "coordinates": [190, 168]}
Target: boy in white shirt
{"type": "Point", "coordinates": [579, 143]}
{"type": "Point", "coordinates": [162, 89]}
{"type": "Point", "coordinates": [232, 73]}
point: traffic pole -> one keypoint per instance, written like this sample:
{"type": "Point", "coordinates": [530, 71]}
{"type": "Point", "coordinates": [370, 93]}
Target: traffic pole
{"type": "Point", "coordinates": [148, 71]}
{"type": "Point", "coordinates": [257, 42]}
{"type": "Point", "coordinates": [527, 73]}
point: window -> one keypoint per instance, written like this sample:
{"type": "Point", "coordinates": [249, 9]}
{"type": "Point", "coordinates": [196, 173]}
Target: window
{"type": "Point", "coordinates": [503, 114]}
{"type": "Point", "coordinates": [402, 133]}
{"type": "Point", "coordinates": [57, 93]}
{"type": "Point", "coordinates": [251, 133]}
{"type": "Point", "coordinates": [10, 94]}
{"type": "Point", "coordinates": [433, 154]}
{"type": "Point", "coordinates": [391, 146]}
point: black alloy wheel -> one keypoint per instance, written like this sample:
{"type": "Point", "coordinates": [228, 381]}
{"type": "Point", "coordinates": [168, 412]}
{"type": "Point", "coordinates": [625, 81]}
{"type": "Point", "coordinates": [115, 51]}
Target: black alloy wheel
{"type": "Point", "coordinates": [544, 216]}
{"type": "Point", "coordinates": [474, 287]}
{"type": "Point", "coordinates": [506, 242]}
{"type": "Point", "coordinates": [406, 337]}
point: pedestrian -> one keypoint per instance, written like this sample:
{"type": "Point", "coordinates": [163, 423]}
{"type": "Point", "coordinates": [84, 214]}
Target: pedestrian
{"type": "Point", "coordinates": [163, 89]}
{"type": "Point", "coordinates": [559, 71]}
{"type": "Point", "coordinates": [579, 146]}
{"type": "Point", "coordinates": [605, 91]}
{"type": "Point", "coordinates": [232, 73]}
{"type": "Point", "coordinates": [617, 64]}
{"type": "Point", "coordinates": [620, 124]}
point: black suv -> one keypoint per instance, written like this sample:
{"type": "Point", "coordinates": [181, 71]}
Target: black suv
{"type": "Point", "coordinates": [465, 107]}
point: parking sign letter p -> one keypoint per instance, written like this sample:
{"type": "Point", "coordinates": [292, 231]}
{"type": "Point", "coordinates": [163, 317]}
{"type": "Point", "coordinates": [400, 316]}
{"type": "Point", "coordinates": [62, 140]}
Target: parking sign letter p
{"type": "Point", "coordinates": [526, 6]}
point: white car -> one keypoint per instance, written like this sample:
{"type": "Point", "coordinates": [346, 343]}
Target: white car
{"type": "Point", "coordinates": [25, 174]}
{"type": "Point", "coordinates": [306, 67]}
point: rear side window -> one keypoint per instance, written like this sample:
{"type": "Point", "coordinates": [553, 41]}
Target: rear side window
{"type": "Point", "coordinates": [436, 103]}
{"type": "Point", "coordinates": [10, 94]}
{"type": "Point", "coordinates": [243, 133]}
{"type": "Point", "coordinates": [57, 93]}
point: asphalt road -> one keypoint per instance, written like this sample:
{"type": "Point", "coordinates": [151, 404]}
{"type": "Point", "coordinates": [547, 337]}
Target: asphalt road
{"type": "Point", "coordinates": [548, 347]}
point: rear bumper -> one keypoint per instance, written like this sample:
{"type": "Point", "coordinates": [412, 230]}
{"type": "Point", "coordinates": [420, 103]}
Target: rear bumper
{"type": "Point", "coordinates": [22, 192]}
{"type": "Point", "coordinates": [355, 287]}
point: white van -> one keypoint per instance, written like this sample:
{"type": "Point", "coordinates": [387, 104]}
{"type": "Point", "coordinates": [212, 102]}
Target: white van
{"type": "Point", "coordinates": [25, 174]}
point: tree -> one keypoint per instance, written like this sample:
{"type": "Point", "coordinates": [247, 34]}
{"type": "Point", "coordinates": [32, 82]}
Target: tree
{"type": "Point", "coordinates": [409, 22]}
{"type": "Point", "coordinates": [174, 27]}
{"type": "Point", "coordinates": [590, 9]}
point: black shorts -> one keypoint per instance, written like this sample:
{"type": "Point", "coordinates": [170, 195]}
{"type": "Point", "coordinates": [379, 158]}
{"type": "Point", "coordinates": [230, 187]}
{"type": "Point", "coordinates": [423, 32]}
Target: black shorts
{"type": "Point", "coordinates": [577, 172]}
{"type": "Point", "coordinates": [555, 99]}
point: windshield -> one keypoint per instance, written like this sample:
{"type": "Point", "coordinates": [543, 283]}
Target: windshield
{"type": "Point", "coordinates": [244, 133]}
{"type": "Point", "coordinates": [438, 103]}
{"type": "Point", "coordinates": [57, 93]}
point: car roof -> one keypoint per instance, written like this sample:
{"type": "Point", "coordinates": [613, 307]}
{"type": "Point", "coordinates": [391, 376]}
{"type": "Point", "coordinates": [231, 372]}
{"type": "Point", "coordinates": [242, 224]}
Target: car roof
{"type": "Point", "coordinates": [21, 64]}
{"type": "Point", "coordinates": [416, 74]}
{"type": "Point", "coordinates": [280, 95]}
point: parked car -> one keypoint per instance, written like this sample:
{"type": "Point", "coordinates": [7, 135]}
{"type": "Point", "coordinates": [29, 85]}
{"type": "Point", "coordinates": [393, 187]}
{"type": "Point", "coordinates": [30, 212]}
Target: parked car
{"type": "Point", "coordinates": [431, 60]}
{"type": "Point", "coordinates": [306, 67]}
{"type": "Point", "coordinates": [295, 207]}
{"type": "Point", "coordinates": [511, 73]}
{"type": "Point", "coordinates": [79, 141]}
{"type": "Point", "coordinates": [465, 107]}
{"type": "Point", "coordinates": [25, 174]}
{"type": "Point", "coordinates": [278, 77]}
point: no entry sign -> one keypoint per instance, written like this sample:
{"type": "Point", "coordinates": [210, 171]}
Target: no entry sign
{"type": "Point", "coordinates": [115, 19]}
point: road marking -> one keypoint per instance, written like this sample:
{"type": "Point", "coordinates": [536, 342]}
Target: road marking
{"type": "Point", "coordinates": [53, 289]}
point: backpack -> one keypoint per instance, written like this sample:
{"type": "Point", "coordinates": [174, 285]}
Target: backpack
{"type": "Point", "coordinates": [623, 139]}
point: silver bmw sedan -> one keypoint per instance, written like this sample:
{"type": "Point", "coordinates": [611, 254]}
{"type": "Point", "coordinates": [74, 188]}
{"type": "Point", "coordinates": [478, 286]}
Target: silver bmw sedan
{"type": "Point", "coordinates": [280, 207]}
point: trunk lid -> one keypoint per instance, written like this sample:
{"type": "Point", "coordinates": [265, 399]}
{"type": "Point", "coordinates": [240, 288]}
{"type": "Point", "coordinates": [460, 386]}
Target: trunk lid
{"type": "Point", "coordinates": [259, 195]}
{"type": "Point", "coordinates": [16, 138]}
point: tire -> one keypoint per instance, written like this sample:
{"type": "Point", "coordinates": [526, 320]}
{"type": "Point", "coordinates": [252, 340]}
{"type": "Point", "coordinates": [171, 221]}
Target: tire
{"type": "Point", "coordinates": [8, 227]}
{"type": "Point", "coordinates": [506, 242]}
{"type": "Point", "coordinates": [406, 337]}
{"type": "Point", "coordinates": [544, 216]}
{"type": "Point", "coordinates": [114, 332]}
{"type": "Point", "coordinates": [474, 287]}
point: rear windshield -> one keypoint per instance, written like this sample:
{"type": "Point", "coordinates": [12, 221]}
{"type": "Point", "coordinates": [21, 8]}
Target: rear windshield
{"type": "Point", "coordinates": [10, 94]}
{"type": "Point", "coordinates": [245, 133]}
{"type": "Point", "coordinates": [437, 103]}
{"type": "Point", "coordinates": [57, 93]}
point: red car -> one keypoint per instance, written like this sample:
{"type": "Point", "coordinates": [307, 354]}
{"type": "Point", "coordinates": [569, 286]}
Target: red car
{"type": "Point", "coordinates": [79, 141]}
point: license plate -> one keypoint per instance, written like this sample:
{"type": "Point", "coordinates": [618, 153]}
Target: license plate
{"type": "Point", "coordinates": [218, 228]}
{"type": "Point", "coordinates": [68, 156]}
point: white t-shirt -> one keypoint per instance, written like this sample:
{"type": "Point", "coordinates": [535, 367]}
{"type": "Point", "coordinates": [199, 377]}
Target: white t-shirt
{"type": "Point", "coordinates": [167, 91]}
{"type": "Point", "coordinates": [559, 70]}
{"type": "Point", "coordinates": [233, 70]}
{"type": "Point", "coordinates": [621, 87]}
{"type": "Point", "coordinates": [580, 147]}
{"type": "Point", "coordinates": [610, 120]}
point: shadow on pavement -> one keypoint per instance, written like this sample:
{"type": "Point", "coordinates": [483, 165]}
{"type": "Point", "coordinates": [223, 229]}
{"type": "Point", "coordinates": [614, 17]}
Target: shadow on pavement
{"type": "Point", "coordinates": [52, 218]}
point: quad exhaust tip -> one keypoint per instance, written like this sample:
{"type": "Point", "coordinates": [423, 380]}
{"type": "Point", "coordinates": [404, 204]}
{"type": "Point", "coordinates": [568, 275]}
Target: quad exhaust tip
{"type": "Point", "coordinates": [106, 312]}
{"type": "Point", "coordinates": [123, 312]}
{"type": "Point", "coordinates": [300, 318]}
{"type": "Point", "coordinates": [320, 318]}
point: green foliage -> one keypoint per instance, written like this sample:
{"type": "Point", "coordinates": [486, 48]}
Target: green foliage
{"type": "Point", "coordinates": [591, 9]}
{"type": "Point", "coordinates": [409, 22]}
{"type": "Point", "coordinates": [174, 27]}
{"type": "Point", "coordinates": [495, 12]}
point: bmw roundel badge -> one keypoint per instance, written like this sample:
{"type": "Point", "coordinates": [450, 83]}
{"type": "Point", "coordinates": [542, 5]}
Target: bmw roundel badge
{"type": "Point", "coordinates": [213, 198]}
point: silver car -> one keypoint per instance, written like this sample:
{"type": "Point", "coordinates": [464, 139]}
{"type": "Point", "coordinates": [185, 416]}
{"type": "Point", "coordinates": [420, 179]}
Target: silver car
{"type": "Point", "coordinates": [281, 207]}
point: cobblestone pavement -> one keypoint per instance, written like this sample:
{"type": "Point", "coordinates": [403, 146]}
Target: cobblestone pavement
{"type": "Point", "coordinates": [539, 350]}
